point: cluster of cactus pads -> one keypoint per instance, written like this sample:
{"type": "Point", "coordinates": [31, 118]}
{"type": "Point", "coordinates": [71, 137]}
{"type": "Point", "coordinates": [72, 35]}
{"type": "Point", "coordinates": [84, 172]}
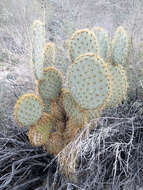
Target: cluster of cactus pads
{"type": "Point", "coordinates": [95, 80]}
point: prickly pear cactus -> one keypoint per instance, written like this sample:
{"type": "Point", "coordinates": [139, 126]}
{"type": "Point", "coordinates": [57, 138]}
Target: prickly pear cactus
{"type": "Point", "coordinates": [51, 85]}
{"type": "Point", "coordinates": [119, 85]}
{"type": "Point", "coordinates": [39, 133]}
{"type": "Point", "coordinates": [73, 111]}
{"type": "Point", "coordinates": [55, 115]}
{"type": "Point", "coordinates": [47, 105]}
{"type": "Point", "coordinates": [120, 46]}
{"type": "Point", "coordinates": [89, 81]}
{"type": "Point", "coordinates": [49, 55]}
{"type": "Point", "coordinates": [82, 41]}
{"type": "Point", "coordinates": [103, 42]}
{"type": "Point", "coordinates": [28, 109]}
{"type": "Point", "coordinates": [38, 41]}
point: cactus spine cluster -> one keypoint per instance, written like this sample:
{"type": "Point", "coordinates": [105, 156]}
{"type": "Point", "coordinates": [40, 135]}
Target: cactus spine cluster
{"type": "Point", "coordinates": [53, 114]}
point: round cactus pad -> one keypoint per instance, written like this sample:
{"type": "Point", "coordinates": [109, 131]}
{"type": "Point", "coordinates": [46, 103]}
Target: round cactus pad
{"type": "Point", "coordinates": [89, 81]}
{"type": "Point", "coordinates": [103, 42]}
{"type": "Point", "coordinates": [50, 87]}
{"type": "Point", "coordinates": [38, 41]}
{"type": "Point", "coordinates": [49, 54]}
{"type": "Point", "coordinates": [82, 41]}
{"type": "Point", "coordinates": [120, 46]}
{"type": "Point", "coordinates": [28, 109]}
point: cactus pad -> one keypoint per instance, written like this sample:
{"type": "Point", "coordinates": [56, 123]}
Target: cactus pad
{"type": "Point", "coordinates": [55, 141]}
{"type": "Point", "coordinates": [28, 109]}
{"type": "Point", "coordinates": [89, 81]}
{"type": "Point", "coordinates": [120, 46]}
{"type": "Point", "coordinates": [38, 40]}
{"type": "Point", "coordinates": [93, 114]}
{"type": "Point", "coordinates": [72, 109]}
{"type": "Point", "coordinates": [42, 134]}
{"type": "Point", "coordinates": [124, 81]}
{"type": "Point", "coordinates": [103, 42]}
{"type": "Point", "coordinates": [118, 89]}
{"type": "Point", "coordinates": [49, 55]}
{"type": "Point", "coordinates": [82, 41]}
{"type": "Point", "coordinates": [47, 105]}
{"type": "Point", "coordinates": [39, 133]}
{"type": "Point", "coordinates": [35, 137]}
{"type": "Point", "coordinates": [50, 87]}
{"type": "Point", "coordinates": [45, 125]}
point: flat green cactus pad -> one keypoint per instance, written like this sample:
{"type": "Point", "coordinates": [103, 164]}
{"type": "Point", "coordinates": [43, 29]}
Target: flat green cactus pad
{"type": "Point", "coordinates": [50, 87]}
{"type": "Point", "coordinates": [89, 81]}
{"type": "Point", "coordinates": [120, 46]}
{"type": "Point", "coordinates": [47, 105]}
{"type": "Point", "coordinates": [49, 55]}
{"type": "Point", "coordinates": [124, 81]}
{"type": "Point", "coordinates": [93, 114]}
{"type": "Point", "coordinates": [103, 42]}
{"type": "Point", "coordinates": [28, 109]}
{"type": "Point", "coordinates": [38, 40]}
{"type": "Point", "coordinates": [72, 109]}
{"type": "Point", "coordinates": [82, 41]}
{"type": "Point", "coordinates": [118, 89]}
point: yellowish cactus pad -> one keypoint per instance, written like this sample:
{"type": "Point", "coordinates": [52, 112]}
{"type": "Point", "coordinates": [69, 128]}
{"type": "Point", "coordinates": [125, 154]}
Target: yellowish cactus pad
{"type": "Point", "coordinates": [28, 109]}
{"type": "Point", "coordinates": [82, 41]}
{"type": "Point", "coordinates": [42, 133]}
{"type": "Point", "coordinates": [55, 142]}
{"type": "Point", "coordinates": [35, 137]}
{"type": "Point", "coordinates": [89, 81]}
{"type": "Point", "coordinates": [45, 125]}
{"type": "Point", "coordinates": [49, 55]}
{"type": "Point", "coordinates": [50, 87]}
